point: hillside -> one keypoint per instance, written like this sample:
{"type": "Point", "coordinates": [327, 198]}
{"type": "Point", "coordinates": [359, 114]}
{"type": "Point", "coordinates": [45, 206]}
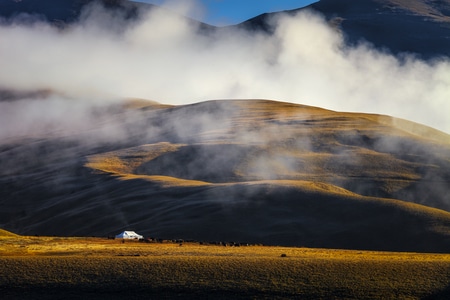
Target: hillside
{"type": "Point", "coordinates": [415, 27]}
{"type": "Point", "coordinates": [78, 159]}
{"type": "Point", "coordinates": [4, 233]}
{"type": "Point", "coordinates": [62, 12]}
{"type": "Point", "coordinates": [246, 170]}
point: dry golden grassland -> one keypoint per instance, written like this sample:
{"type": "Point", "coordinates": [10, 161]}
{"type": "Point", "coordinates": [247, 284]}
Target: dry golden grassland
{"type": "Point", "coordinates": [72, 268]}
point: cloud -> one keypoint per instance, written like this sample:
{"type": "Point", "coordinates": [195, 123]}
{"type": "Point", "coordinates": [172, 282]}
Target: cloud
{"type": "Point", "coordinates": [170, 59]}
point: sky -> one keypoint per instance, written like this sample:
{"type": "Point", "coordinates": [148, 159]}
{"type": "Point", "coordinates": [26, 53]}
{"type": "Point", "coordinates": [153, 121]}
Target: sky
{"type": "Point", "coordinates": [228, 12]}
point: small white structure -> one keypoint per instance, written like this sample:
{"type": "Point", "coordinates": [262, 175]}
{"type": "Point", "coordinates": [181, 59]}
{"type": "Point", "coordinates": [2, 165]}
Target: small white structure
{"type": "Point", "coordinates": [129, 235]}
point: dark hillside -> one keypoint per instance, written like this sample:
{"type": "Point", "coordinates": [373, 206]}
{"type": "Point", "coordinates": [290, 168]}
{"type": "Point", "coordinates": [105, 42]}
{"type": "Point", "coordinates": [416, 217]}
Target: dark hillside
{"type": "Point", "coordinates": [246, 171]}
{"type": "Point", "coordinates": [418, 27]}
{"type": "Point", "coordinates": [63, 12]}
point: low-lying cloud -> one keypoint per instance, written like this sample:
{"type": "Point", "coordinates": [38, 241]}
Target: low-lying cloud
{"type": "Point", "coordinates": [170, 59]}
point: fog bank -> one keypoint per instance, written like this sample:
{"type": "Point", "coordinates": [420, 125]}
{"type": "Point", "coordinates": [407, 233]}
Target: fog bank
{"type": "Point", "coordinates": [169, 59]}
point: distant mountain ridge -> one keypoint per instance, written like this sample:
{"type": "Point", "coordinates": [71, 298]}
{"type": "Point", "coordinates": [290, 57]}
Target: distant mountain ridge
{"type": "Point", "coordinates": [416, 27]}
{"type": "Point", "coordinates": [399, 26]}
{"type": "Point", "coordinates": [63, 11]}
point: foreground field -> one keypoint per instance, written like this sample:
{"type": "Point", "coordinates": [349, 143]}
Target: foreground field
{"type": "Point", "coordinates": [72, 268]}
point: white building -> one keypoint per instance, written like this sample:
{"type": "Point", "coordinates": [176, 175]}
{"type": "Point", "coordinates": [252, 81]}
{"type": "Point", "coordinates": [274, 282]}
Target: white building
{"type": "Point", "coordinates": [129, 235]}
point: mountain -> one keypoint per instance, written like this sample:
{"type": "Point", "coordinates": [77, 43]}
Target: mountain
{"type": "Point", "coordinates": [65, 13]}
{"type": "Point", "coordinates": [62, 12]}
{"type": "Point", "coordinates": [416, 27]}
{"type": "Point", "coordinates": [246, 170]}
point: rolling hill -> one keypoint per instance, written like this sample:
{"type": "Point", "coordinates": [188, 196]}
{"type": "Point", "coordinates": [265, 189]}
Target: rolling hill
{"type": "Point", "coordinates": [256, 171]}
{"type": "Point", "coordinates": [246, 170]}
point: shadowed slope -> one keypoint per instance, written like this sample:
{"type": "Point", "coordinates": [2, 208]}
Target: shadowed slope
{"type": "Point", "coordinates": [419, 27]}
{"type": "Point", "coordinates": [247, 170]}
{"type": "Point", "coordinates": [68, 12]}
{"type": "Point", "coordinates": [258, 140]}
{"type": "Point", "coordinates": [63, 12]}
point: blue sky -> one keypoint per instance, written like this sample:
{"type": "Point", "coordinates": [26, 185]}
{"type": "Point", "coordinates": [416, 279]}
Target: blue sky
{"type": "Point", "coordinates": [227, 12]}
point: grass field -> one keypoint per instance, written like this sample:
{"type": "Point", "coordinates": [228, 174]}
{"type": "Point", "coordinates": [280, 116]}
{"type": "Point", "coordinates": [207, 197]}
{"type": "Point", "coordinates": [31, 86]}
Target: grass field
{"type": "Point", "coordinates": [73, 268]}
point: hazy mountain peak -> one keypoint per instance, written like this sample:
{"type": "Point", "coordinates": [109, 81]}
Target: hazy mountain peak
{"type": "Point", "coordinates": [68, 11]}
{"type": "Point", "coordinates": [400, 26]}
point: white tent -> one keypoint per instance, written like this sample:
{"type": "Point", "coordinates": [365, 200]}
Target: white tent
{"type": "Point", "coordinates": [129, 235]}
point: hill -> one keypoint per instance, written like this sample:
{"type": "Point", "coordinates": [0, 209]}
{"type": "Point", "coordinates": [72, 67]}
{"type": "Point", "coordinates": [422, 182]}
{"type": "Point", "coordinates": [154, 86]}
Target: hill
{"type": "Point", "coordinates": [245, 170]}
{"type": "Point", "coordinates": [4, 233]}
{"type": "Point", "coordinates": [75, 160]}
{"type": "Point", "coordinates": [416, 27]}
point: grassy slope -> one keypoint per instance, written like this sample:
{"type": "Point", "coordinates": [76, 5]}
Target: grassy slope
{"type": "Point", "coordinates": [311, 160]}
{"type": "Point", "coordinates": [4, 233]}
{"type": "Point", "coordinates": [97, 268]}
{"type": "Point", "coordinates": [257, 171]}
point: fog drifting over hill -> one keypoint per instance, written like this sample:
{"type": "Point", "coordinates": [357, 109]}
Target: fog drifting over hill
{"type": "Point", "coordinates": [167, 58]}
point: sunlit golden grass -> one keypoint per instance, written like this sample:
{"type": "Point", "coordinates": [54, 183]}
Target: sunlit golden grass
{"type": "Point", "coordinates": [4, 233]}
{"type": "Point", "coordinates": [277, 140]}
{"type": "Point", "coordinates": [307, 186]}
{"type": "Point", "coordinates": [126, 160]}
{"type": "Point", "coordinates": [165, 181]}
{"type": "Point", "coordinates": [139, 103]}
{"type": "Point", "coordinates": [101, 268]}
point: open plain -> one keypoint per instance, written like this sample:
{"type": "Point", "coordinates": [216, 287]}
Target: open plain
{"type": "Point", "coordinates": [100, 268]}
